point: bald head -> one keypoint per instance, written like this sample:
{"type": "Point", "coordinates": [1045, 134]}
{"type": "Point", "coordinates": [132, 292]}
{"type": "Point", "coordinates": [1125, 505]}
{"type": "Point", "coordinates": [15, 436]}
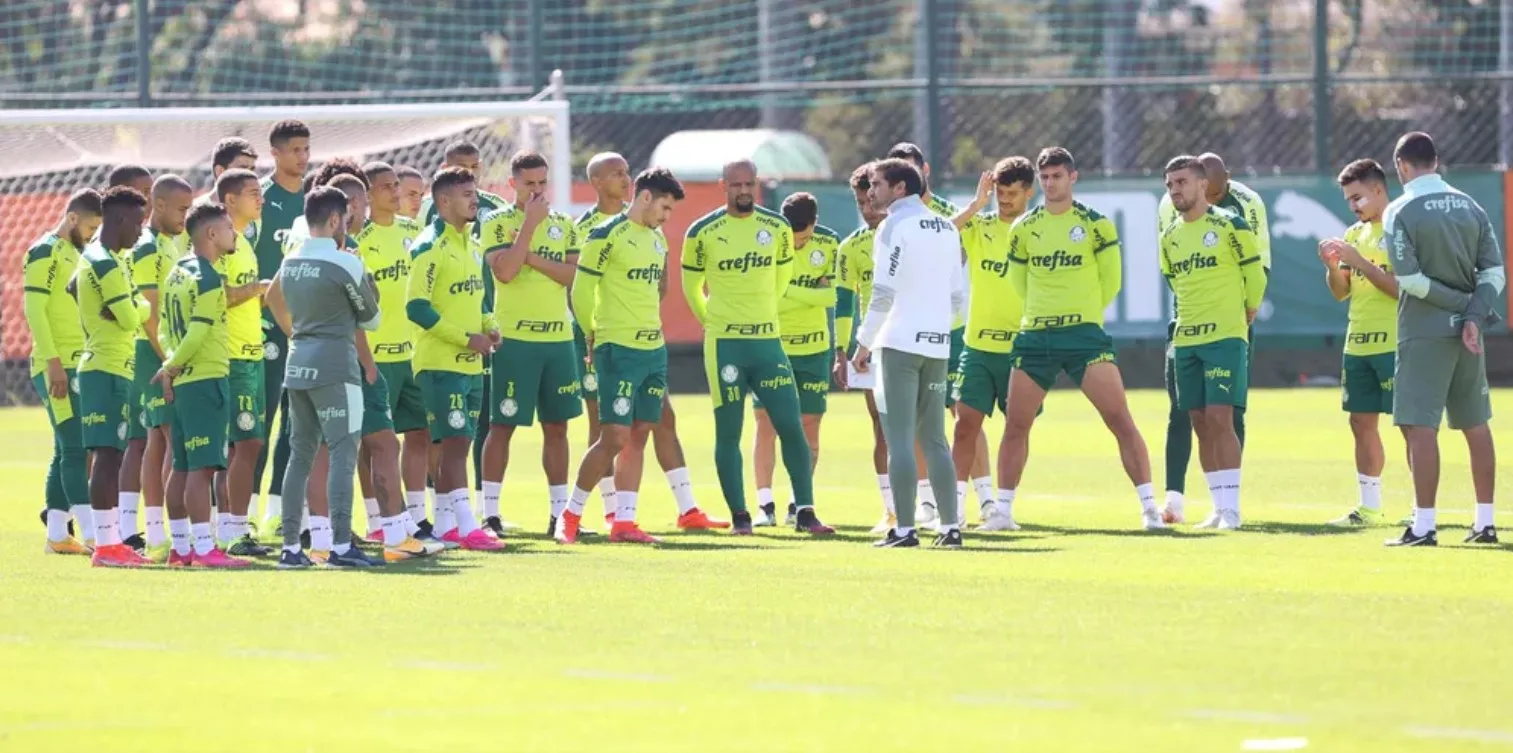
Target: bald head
{"type": "Point", "coordinates": [167, 184]}
{"type": "Point", "coordinates": [171, 199]}
{"type": "Point", "coordinates": [609, 174]}
{"type": "Point", "coordinates": [603, 161]}
{"type": "Point", "coordinates": [739, 168]}
{"type": "Point", "coordinates": [1218, 176]}
{"type": "Point", "coordinates": [739, 180]}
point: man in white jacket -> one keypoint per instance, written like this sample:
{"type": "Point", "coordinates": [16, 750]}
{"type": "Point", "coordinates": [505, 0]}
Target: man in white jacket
{"type": "Point", "coordinates": [917, 293]}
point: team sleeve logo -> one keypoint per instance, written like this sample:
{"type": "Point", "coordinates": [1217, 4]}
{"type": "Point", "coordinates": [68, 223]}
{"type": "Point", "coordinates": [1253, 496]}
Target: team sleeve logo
{"type": "Point", "coordinates": [1210, 239]}
{"type": "Point", "coordinates": [816, 258]}
{"type": "Point", "coordinates": [763, 237]}
{"type": "Point", "coordinates": [1077, 234]}
{"type": "Point", "coordinates": [554, 232]}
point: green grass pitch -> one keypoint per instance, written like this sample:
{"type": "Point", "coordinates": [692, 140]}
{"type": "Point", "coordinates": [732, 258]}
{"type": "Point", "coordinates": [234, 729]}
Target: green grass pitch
{"type": "Point", "coordinates": [1078, 633]}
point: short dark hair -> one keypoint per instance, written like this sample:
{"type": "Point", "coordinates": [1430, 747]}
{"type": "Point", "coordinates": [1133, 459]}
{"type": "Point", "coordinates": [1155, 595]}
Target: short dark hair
{"type": "Point", "coordinates": [374, 169]}
{"type": "Point", "coordinates": [232, 181]}
{"type": "Point", "coordinates": [322, 202]}
{"type": "Point", "coordinates": [84, 201]}
{"type": "Point", "coordinates": [1185, 162]}
{"type": "Point", "coordinates": [125, 175]}
{"type": "Point", "coordinates": [801, 210]}
{"type": "Point", "coordinates": [1055, 156]}
{"type": "Point", "coordinates": [228, 149]}
{"type": "Point", "coordinates": [1416, 149]}
{"type": "Point", "coordinates": [405, 171]}
{"type": "Point", "coordinates": [287, 129]}
{"type": "Point", "coordinates": [1012, 170]}
{"type": "Point", "coordinates": [448, 177]}
{"type": "Point", "coordinates": [526, 159]}
{"type": "Point", "coordinates": [1362, 170]}
{"type": "Point", "coordinates": [861, 177]}
{"type": "Point", "coordinates": [122, 197]}
{"type": "Point", "coordinates": [462, 148]}
{"type": "Point", "coordinates": [202, 214]}
{"type": "Point", "coordinates": [895, 170]}
{"type": "Point", "coordinates": [906, 150]}
{"type": "Point", "coordinates": [660, 182]}
{"type": "Point", "coordinates": [345, 182]}
{"type": "Point", "coordinates": [333, 168]}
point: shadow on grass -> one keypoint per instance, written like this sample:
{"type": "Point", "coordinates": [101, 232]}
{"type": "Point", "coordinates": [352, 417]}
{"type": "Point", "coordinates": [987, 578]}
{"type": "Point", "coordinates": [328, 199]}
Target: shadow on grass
{"type": "Point", "coordinates": [1310, 529]}
{"type": "Point", "coordinates": [1119, 532]}
{"type": "Point", "coordinates": [973, 545]}
{"type": "Point", "coordinates": [719, 545]}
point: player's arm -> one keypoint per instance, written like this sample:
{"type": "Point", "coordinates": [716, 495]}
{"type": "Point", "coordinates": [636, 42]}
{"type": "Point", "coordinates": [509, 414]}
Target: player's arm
{"type": "Point", "coordinates": [1412, 280]}
{"type": "Point", "coordinates": [1019, 261]}
{"type": "Point", "coordinates": [1336, 272]}
{"type": "Point", "coordinates": [693, 276]}
{"type": "Point", "coordinates": [147, 264]}
{"type": "Point", "coordinates": [845, 298]}
{"type": "Point", "coordinates": [117, 294]}
{"type": "Point", "coordinates": [1255, 216]}
{"type": "Point", "coordinates": [784, 271]}
{"type": "Point", "coordinates": [209, 307]}
{"type": "Point", "coordinates": [278, 306]}
{"type": "Point", "coordinates": [418, 305]}
{"type": "Point", "coordinates": [1251, 267]}
{"type": "Point", "coordinates": [1491, 276]}
{"type": "Point", "coordinates": [560, 272]}
{"type": "Point", "coordinates": [1110, 261]}
{"type": "Point", "coordinates": [240, 294]}
{"type": "Point", "coordinates": [586, 283]}
{"type": "Point", "coordinates": [41, 270]}
{"type": "Point", "coordinates": [362, 294]}
{"type": "Point", "coordinates": [958, 293]}
{"type": "Point", "coordinates": [506, 254]}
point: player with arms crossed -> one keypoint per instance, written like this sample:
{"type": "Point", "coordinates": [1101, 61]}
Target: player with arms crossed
{"type": "Point", "coordinates": [1209, 258]}
{"type": "Point", "coordinates": [1364, 276]}
{"type": "Point", "coordinates": [138, 179]}
{"type": "Point", "coordinates": [52, 315]}
{"type": "Point", "coordinates": [1064, 262]}
{"type": "Point", "coordinates": [457, 333]}
{"type": "Point", "coordinates": [745, 253]}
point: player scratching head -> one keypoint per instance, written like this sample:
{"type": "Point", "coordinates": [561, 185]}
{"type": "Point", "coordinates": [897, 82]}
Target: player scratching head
{"type": "Point", "coordinates": [1058, 173]}
{"type": "Point", "coordinates": [1187, 184]}
{"type": "Point", "coordinates": [241, 194]}
{"type": "Point", "coordinates": [171, 199]}
{"type": "Point", "coordinates": [356, 191]}
{"type": "Point", "coordinates": [861, 182]}
{"type": "Point", "coordinates": [1218, 176]}
{"type": "Point", "coordinates": [893, 179]}
{"type": "Point", "coordinates": [657, 192]}
{"type": "Point", "coordinates": [289, 140]}
{"type": "Point", "coordinates": [210, 231]}
{"type": "Point", "coordinates": [1013, 186]}
{"type": "Point", "coordinates": [412, 190]}
{"type": "Point", "coordinates": [802, 212]}
{"type": "Point", "coordinates": [81, 217]}
{"type": "Point", "coordinates": [1364, 184]}
{"type": "Point", "coordinates": [739, 179]}
{"type": "Point", "coordinates": [122, 212]}
{"type": "Point", "coordinates": [1415, 156]}
{"type": "Point", "coordinates": [528, 176]}
{"type": "Point", "coordinates": [135, 177]}
{"type": "Point", "coordinates": [326, 209]}
{"type": "Point", "coordinates": [609, 174]}
{"type": "Point", "coordinates": [455, 195]}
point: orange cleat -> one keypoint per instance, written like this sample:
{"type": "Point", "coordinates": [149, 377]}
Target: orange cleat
{"type": "Point", "coordinates": [696, 520]}
{"type": "Point", "coordinates": [181, 560]}
{"type": "Point", "coordinates": [118, 555]}
{"type": "Point", "coordinates": [630, 533]}
{"type": "Point", "coordinates": [69, 545]}
{"type": "Point", "coordinates": [568, 527]}
{"type": "Point", "coordinates": [219, 560]}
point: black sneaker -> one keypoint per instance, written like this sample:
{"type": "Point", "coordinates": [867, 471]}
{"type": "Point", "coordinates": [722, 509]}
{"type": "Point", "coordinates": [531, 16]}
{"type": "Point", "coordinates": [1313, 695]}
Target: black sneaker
{"type": "Point", "coordinates": [895, 540]}
{"type": "Point", "coordinates": [246, 546]}
{"type": "Point", "coordinates": [793, 514]}
{"type": "Point", "coordinates": [1408, 539]}
{"type": "Point", "coordinates": [1486, 535]}
{"type": "Point", "coordinates": [288, 560]}
{"type": "Point", "coordinates": [949, 540]}
{"type": "Point", "coordinates": [805, 521]}
{"type": "Point", "coordinates": [139, 544]}
{"type": "Point", "coordinates": [769, 515]}
{"type": "Point", "coordinates": [740, 525]}
{"type": "Point", "coordinates": [354, 559]}
{"type": "Point", "coordinates": [304, 539]}
{"type": "Point", "coordinates": [493, 524]}
{"type": "Point", "coordinates": [423, 531]}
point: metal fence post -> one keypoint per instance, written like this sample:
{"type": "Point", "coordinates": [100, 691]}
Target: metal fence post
{"type": "Point", "coordinates": [927, 104]}
{"type": "Point", "coordinates": [1323, 98]}
{"type": "Point", "coordinates": [144, 54]}
{"type": "Point", "coordinates": [1505, 86]}
{"type": "Point", "coordinates": [537, 63]}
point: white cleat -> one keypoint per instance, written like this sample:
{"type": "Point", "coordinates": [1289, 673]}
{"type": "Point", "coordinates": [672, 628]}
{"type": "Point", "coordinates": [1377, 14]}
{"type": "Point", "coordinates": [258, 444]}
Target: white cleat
{"type": "Point", "coordinates": [1229, 520]}
{"type": "Point", "coordinates": [885, 525]}
{"type": "Point", "coordinates": [1173, 514]}
{"type": "Point", "coordinates": [926, 515]}
{"type": "Point", "coordinates": [998, 522]}
{"type": "Point", "coordinates": [508, 526]}
{"type": "Point", "coordinates": [1212, 521]}
{"type": "Point", "coordinates": [764, 521]}
{"type": "Point", "coordinates": [1151, 520]}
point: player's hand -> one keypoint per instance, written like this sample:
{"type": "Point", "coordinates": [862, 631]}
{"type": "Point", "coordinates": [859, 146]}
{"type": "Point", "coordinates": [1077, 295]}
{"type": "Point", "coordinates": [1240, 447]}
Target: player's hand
{"type": "Point", "coordinates": [57, 379]}
{"type": "Point", "coordinates": [370, 372]}
{"type": "Point", "coordinates": [1328, 254]}
{"type": "Point", "coordinates": [536, 208]}
{"type": "Point", "coordinates": [263, 285]}
{"type": "Point", "coordinates": [862, 361]}
{"type": "Point", "coordinates": [838, 370]}
{"type": "Point", "coordinates": [823, 283]}
{"type": "Point", "coordinates": [1250, 316]}
{"type": "Point", "coordinates": [984, 190]}
{"type": "Point", "coordinates": [495, 337]}
{"type": "Point", "coordinates": [165, 377]}
{"type": "Point", "coordinates": [480, 343]}
{"type": "Point", "coordinates": [1470, 336]}
{"type": "Point", "coordinates": [588, 349]}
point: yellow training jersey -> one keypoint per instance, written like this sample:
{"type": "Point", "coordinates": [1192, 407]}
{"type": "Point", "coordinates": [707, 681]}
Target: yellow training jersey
{"type": "Point", "coordinates": [804, 312]}
{"type": "Point", "coordinates": [385, 252]}
{"type": "Point", "coordinates": [192, 321]}
{"type": "Point", "coordinates": [995, 308]}
{"type": "Point", "coordinates": [105, 286]}
{"type": "Point", "coordinates": [1373, 314]}
{"type": "Point", "coordinates": [747, 263]}
{"type": "Point", "coordinates": [1065, 267]}
{"type": "Point", "coordinates": [446, 300]}
{"type": "Point", "coordinates": [618, 290]}
{"type": "Point", "coordinates": [244, 321]}
{"type": "Point", "coordinates": [151, 261]}
{"type": "Point", "coordinates": [853, 282]}
{"type": "Point", "coordinates": [1241, 200]}
{"type": "Point", "coordinates": [1214, 269]}
{"type": "Point", "coordinates": [532, 307]}
{"type": "Point", "coordinates": [51, 313]}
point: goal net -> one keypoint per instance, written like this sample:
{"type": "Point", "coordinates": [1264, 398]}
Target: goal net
{"type": "Point", "coordinates": [45, 155]}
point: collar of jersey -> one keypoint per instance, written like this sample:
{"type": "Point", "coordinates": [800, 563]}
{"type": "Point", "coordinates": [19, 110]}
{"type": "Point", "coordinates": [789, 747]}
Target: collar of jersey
{"type": "Point", "coordinates": [1423, 184]}
{"type": "Point", "coordinates": [316, 245]}
{"type": "Point", "coordinates": [907, 203]}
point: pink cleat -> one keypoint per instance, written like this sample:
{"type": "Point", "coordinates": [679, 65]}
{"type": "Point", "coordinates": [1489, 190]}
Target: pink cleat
{"type": "Point", "coordinates": [220, 560]}
{"type": "Point", "coordinates": [480, 541]}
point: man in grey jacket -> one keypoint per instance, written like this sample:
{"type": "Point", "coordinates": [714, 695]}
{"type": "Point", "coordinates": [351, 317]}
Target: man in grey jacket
{"type": "Point", "coordinates": [328, 299]}
{"type": "Point", "coordinates": [1449, 271]}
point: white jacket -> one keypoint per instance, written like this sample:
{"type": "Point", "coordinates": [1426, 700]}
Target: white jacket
{"type": "Point", "coordinates": [917, 285]}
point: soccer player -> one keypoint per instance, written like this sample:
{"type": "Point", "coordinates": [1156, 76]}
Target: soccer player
{"type": "Point", "coordinates": [109, 311]}
{"type": "Point", "coordinates": [240, 192]}
{"type": "Point", "coordinates": [617, 294]}
{"type": "Point", "coordinates": [196, 363]}
{"type": "Point", "coordinates": [231, 153]}
{"type": "Point", "coordinates": [135, 177]}
{"type": "Point", "coordinates": [1236, 197]}
{"type": "Point", "coordinates": [992, 321]}
{"type": "Point", "coordinates": [57, 344]}
{"type": "Point", "coordinates": [412, 191]}
{"type": "Point", "coordinates": [445, 299]}
{"type": "Point", "coordinates": [1064, 263]}
{"type": "Point", "coordinates": [908, 321]}
{"type": "Point", "coordinates": [806, 324]}
{"type": "Point", "coordinates": [609, 174]}
{"type": "Point", "coordinates": [1364, 276]}
{"type": "Point", "coordinates": [139, 179]}
{"type": "Point", "coordinates": [745, 254]}
{"type": "Point", "coordinates": [853, 292]}
{"type": "Point", "coordinates": [1209, 258]}
{"type": "Point", "coordinates": [283, 202]}
{"type": "Point", "coordinates": [159, 248]}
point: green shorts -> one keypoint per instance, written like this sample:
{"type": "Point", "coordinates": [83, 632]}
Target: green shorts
{"type": "Point", "coordinates": [953, 363]}
{"type": "Point", "coordinates": [201, 417]}
{"type": "Point", "coordinates": [1045, 353]}
{"type": "Point", "coordinates": [148, 410]}
{"type": "Point", "coordinates": [1435, 378]}
{"type": "Point", "coordinates": [104, 409]}
{"type": "Point", "coordinates": [632, 383]}
{"type": "Point", "coordinates": [249, 400]}
{"type": "Point", "coordinates": [736, 367]}
{"type": "Point", "coordinates": [812, 373]}
{"type": "Point", "coordinates": [1216, 373]}
{"type": "Point", "coordinates": [1366, 383]}
{"type": "Point", "coordinates": [533, 379]}
{"type": "Point", "coordinates": [587, 376]}
{"type": "Point", "coordinates": [59, 411]}
{"type": "Point", "coordinates": [375, 407]}
{"type": "Point", "coordinates": [984, 380]}
{"type": "Point", "coordinates": [453, 402]}
{"type": "Point", "coordinates": [406, 408]}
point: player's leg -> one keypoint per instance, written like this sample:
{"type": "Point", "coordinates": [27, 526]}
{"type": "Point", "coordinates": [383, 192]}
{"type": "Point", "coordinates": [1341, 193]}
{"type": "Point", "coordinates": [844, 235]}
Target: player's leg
{"type": "Point", "coordinates": [377, 496]}
{"type": "Point", "coordinates": [727, 387]}
{"type": "Point", "coordinates": [248, 435]}
{"type": "Point", "coordinates": [1421, 388]}
{"type": "Point", "coordinates": [764, 460]}
{"type": "Point", "coordinates": [772, 377]}
{"type": "Point", "coordinates": [275, 451]}
{"type": "Point", "coordinates": [340, 409]}
{"type": "Point", "coordinates": [930, 434]}
{"type": "Point", "coordinates": [983, 384]}
{"type": "Point", "coordinates": [1220, 448]}
{"type": "Point", "coordinates": [103, 398]}
{"type": "Point", "coordinates": [202, 415]}
{"type": "Point", "coordinates": [513, 377]}
{"type": "Point", "coordinates": [66, 483]}
{"type": "Point", "coordinates": [1361, 399]}
{"type": "Point", "coordinates": [558, 400]}
{"type": "Point", "coordinates": [382, 449]}
{"type": "Point", "coordinates": [480, 435]}
{"type": "Point", "coordinates": [880, 465]}
{"type": "Point", "coordinates": [408, 412]}
{"type": "Point", "coordinates": [926, 510]}
{"type": "Point", "coordinates": [897, 406]}
{"type": "Point", "coordinates": [629, 466]}
{"type": "Point", "coordinates": [620, 372]}
{"type": "Point", "coordinates": [588, 376]}
{"type": "Point", "coordinates": [1103, 385]}
{"type": "Point", "coordinates": [1028, 384]}
{"type": "Point", "coordinates": [304, 443]}
{"type": "Point", "coordinates": [669, 449]}
{"type": "Point", "coordinates": [647, 380]}
{"type": "Point", "coordinates": [130, 480]}
{"type": "Point", "coordinates": [1468, 410]}
{"type": "Point", "coordinates": [1179, 439]}
{"type": "Point", "coordinates": [154, 493]}
{"type": "Point", "coordinates": [365, 488]}
{"type": "Point", "coordinates": [981, 478]}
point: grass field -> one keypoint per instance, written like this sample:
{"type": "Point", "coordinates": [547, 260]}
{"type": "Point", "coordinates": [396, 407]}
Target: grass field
{"type": "Point", "coordinates": [1078, 633]}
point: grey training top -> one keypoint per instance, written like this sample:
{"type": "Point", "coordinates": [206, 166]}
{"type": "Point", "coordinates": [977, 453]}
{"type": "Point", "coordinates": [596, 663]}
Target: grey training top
{"type": "Point", "coordinates": [1446, 259]}
{"type": "Point", "coordinates": [329, 298]}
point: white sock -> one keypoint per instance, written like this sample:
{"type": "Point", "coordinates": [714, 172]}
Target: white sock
{"type": "Point", "coordinates": [304, 518]}
{"type": "Point", "coordinates": [885, 488]}
{"type": "Point", "coordinates": [983, 485]}
{"type": "Point", "coordinates": [557, 494]}
{"type": "Point", "coordinates": [682, 489]}
{"type": "Point", "coordinates": [626, 510]}
{"type": "Point", "coordinates": [1371, 491]}
{"type": "Point", "coordinates": [1006, 502]}
{"type": "Point", "coordinates": [926, 493]}
{"type": "Point", "coordinates": [1423, 520]}
{"type": "Point", "coordinates": [576, 501]}
{"type": "Point", "coordinates": [607, 493]}
{"type": "Point", "coordinates": [107, 530]}
{"type": "Point", "coordinates": [462, 507]}
{"type": "Point", "coordinates": [153, 522]}
{"type": "Point", "coordinates": [275, 506]}
{"type": "Point", "coordinates": [1174, 500]}
{"type": "Point", "coordinates": [320, 533]}
{"type": "Point", "coordinates": [415, 504]}
{"type": "Point", "coordinates": [1229, 487]}
{"type": "Point", "coordinates": [1213, 489]}
{"type": "Point", "coordinates": [238, 527]}
{"type": "Point", "coordinates": [446, 519]}
{"type": "Point", "coordinates": [431, 492]}
{"type": "Point", "coordinates": [57, 525]}
{"type": "Point", "coordinates": [1147, 495]}
{"type": "Point", "coordinates": [342, 549]}
{"type": "Point", "coordinates": [127, 504]}
{"type": "Point", "coordinates": [223, 530]}
{"type": "Point", "coordinates": [491, 498]}
{"type": "Point", "coordinates": [902, 531]}
{"type": "Point", "coordinates": [179, 529]}
{"type": "Point", "coordinates": [252, 507]}
{"type": "Point", "coordinates": [204, 541]}
{"type": "Point", "coordinates": [84, 523]}
{"type": "Point", "coordinates": [375, 518]}
{"type": "Point", "coordinates": [1483, 516]}
{"type": "Point", "coordinates": [394, 530]}
{"type": "Point", "coordinates": [764, 497]}
{"type": "Point", "coordinates": [961, 499]}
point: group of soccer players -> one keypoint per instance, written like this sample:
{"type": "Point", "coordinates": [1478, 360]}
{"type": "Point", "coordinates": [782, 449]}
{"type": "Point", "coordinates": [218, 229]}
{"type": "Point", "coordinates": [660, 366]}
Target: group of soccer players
{"type": "Point", "coordinates": [159, 352]}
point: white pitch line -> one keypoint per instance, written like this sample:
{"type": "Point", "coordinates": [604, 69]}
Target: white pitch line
{"type": "Point", "coordinates": [1457, 733]}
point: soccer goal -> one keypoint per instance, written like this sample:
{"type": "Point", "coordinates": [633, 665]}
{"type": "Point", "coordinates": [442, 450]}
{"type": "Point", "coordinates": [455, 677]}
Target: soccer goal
{"type": "Point", "coordinates": [45, 155]}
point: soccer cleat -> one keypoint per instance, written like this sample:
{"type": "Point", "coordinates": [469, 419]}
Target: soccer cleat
{"type": "Point", "coordinates": [409, 549]}
{"type": "Point", "coordinates": [630, 533]}
{"type": "Point", "coordinates": [353, 559]}
{"type": "Point", "coordinates": [480, 541]}
{"type": "Point", "coordinates": [807, 522]}
{"type": "Point", "coordinates": [288, 560]}
{"type": "Point", "coordinates": [1173, 514]}
{"type": "Point", "coordinates": [1212, 521]}
{"type": "Point", "coordinates": [246, 546]}
{"type": "Point", "coordinates": [304, 539]}
{"type": "Point", "coordinates": [928, 514]}
{"type": "Point", "coordinates": [43, 516]}
{"type": "Point", "coordinates": [741, 524]}
{"type": "Point", "coordinates": [768, 518]}
{"type": "Point", "coordinates": [179, 560]}
{"type": "Point", "coordinates": [951, 539]}
{"type": "Point", "coordinates": [159, 554]}
{"type": "Point", "coordinates": [1409, 539]}
{"type": "Point", "coordinates": [609, 521]}
{"type": "Point", "coordinates": [69, 545]}
{"type": "Point", "coordinates": [1229, 520]}
{"type": "Point", "coordinates": [696, 520]}
{"type": "Point", "coordinates": [117, 555]}
{"type": "Point", "coordinates": [995, 519]}
{"type": "Point", "coordinates": [893, 540]}
{"type": "Point", "coordinates": [793, 512]}
{"type": "Point", "coordinates": [218, 559]}
{"type": "Point", "coordinates": [551, 528]}
{"type": "Point", "coordinates": [493, 524]}
{"type": "Point", "coordinates": [1360, 517]}
{"type": "Point", "coordinates": [375, 536]}
{"type": "Point", "coordinates": [1486, 535]}
{"type": "Point", "coordinates": [572, 523]}
{"type": "Point", "coordinates": [1152, 520]}
{"type": "Point", "coordinates": [318, 556]}
{"type": "Point", "coordinates": [886, 524]}
{"type": "Point", "coordinates": [137, 543]}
